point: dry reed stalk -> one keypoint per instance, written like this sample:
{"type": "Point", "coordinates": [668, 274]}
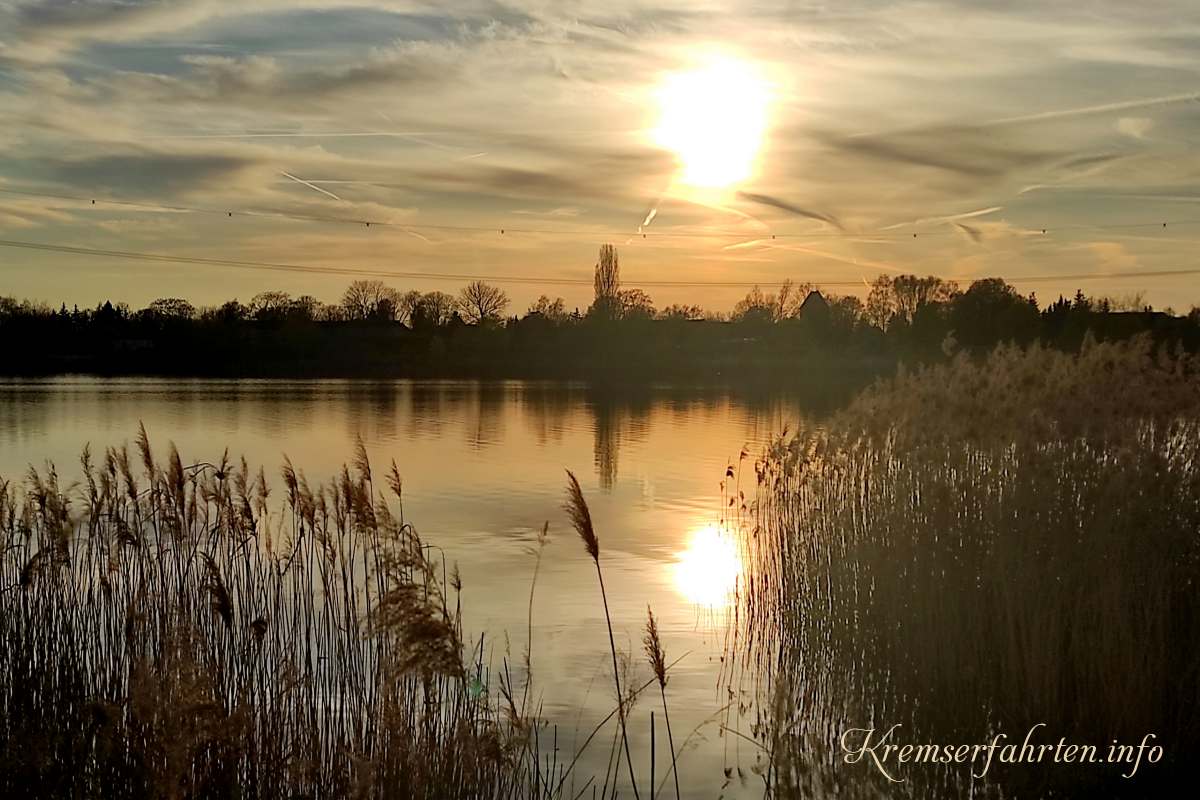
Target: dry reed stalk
{"type": "Point", "coordinates": [581, 519]}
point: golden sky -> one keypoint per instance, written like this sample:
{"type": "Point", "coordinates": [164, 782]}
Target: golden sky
{"type": "Point", "coordinates": [838, 129]}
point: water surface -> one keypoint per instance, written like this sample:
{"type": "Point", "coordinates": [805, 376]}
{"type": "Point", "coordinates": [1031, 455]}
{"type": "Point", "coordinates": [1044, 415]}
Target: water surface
{"type": "Point", "coordinates": [483, 469]}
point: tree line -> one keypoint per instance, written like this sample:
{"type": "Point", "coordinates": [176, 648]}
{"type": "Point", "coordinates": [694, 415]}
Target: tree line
{"type": "Point", "coordinates": [375, 328]}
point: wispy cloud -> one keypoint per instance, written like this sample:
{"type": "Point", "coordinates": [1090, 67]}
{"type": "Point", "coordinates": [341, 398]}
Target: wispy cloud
{"type": "Point", "coordinates": [791, 208]}
{"type": "Point", "coordinates": [466, 114]}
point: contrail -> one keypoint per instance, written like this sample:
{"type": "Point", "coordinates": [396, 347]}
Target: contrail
{"type": "Point", "coordinates": [298, 135]}
{"type": "Point", "coordinates": [416, 235]}
{"type": "Point", "coordinates": [312, 186]}
{"type": "Point", "coordinates": [947, 218]}
{"type": "Point", "coordinates": [1062, 113]}
{"type": "Point", "coordinates": [783, 205]}
{"type": "Point", "coordinates": [1098, 109]}
{"type": "Point", "coordinates": [857, 262]}
{"type": "Point", "coordinates": [975, 234]}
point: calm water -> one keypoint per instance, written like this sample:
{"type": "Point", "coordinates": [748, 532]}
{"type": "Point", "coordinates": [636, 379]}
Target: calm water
{"type": "Point", "coordinates": [483, 470]}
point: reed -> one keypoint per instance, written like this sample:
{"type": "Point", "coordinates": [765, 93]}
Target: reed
{"type": "Point", "coordinates": [168, 631]}
{"type": "Point", "coordinates": [975, 549]}
{"type": "Point", "coordinates": [657, 657]}
{"type": "Point", "coordinates": [581, 519]}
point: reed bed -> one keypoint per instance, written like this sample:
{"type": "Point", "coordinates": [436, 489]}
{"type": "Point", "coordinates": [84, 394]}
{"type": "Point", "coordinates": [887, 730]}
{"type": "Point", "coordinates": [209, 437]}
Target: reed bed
{"type": "Point", "coordinates": [164, 633]}
{"type": "Point", "coordinates": [975, 549]}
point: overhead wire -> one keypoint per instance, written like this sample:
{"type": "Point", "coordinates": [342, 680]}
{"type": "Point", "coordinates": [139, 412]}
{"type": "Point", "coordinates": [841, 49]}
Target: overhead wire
{"type": "Point", "coordinates": [425, 275]}
{"type": "Point", "coordinates": [522, 279]}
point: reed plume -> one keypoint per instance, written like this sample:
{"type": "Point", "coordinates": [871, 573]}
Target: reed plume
{"type": "Point", "coordinates": [581, 519]}
{"type": "Point", "coordinates": [658, 665]}
{"type": "Point", "coordinates": [154, 644]}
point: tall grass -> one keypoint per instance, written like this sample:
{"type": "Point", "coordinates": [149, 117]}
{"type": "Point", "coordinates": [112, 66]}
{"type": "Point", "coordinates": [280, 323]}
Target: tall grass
{"type": "Point", "coordinates": [979, 548]}
{"type": "Point", "coordinates": [164, 633]}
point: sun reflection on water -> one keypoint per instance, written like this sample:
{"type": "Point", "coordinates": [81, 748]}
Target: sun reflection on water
{"type": "Point", "coordinates": [706, 573]}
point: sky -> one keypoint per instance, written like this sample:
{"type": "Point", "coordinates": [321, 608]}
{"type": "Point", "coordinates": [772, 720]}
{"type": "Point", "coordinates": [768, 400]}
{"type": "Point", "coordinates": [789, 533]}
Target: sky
{"type": "Point", "coordinates": [716, 144]}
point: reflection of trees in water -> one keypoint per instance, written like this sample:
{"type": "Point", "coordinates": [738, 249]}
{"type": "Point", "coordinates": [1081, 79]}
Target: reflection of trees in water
{"type": "Point", "coordinates": [620, 416]}
{"type": "Point", "coordinates": [607, 447]}
{"type": "Point", "coordinates": [626, 415]}
{"type": "Point", "coordinates": [487, 428]}
{"type": "Point", "coordinates": [428, 406]}
{"type": "Point", "coordinates": [478, 405]}
{"type": "Point", "coordinates": [546, 408]}
{"type": "Point", "coordinates": [372, 409]}
{"type": "Point", "coordinates": [23, 412]}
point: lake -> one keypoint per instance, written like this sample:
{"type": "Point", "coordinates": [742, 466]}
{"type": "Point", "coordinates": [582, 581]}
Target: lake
{"type": "Point", "coordinates": [483, 469]}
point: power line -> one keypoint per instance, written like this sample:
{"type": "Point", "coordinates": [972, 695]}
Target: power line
{"type": "Point", "coordinates": [877, 235]}
{"type": "Point", "coordinates": [522, 279]}
{"type": "Point", "coordinates": [591, 234]}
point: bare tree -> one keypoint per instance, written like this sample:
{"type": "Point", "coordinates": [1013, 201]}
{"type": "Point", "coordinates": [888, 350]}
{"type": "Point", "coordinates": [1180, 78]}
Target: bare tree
{"type": "Point", "coordinates": [371, 300]}
{"type": "Point", "coordinates": [636, 304]}
{"type": "Point", "coordinates": [756, 306]}
{"type": "Point", "coordinates": [270, 305]}
{"type": "Point", "coordinates": [172, 308]}
{"type": "Point", "coordinates": [900, 297]}
{"type": "Point", "coordinates": [409, 301]}
{"type": "Point", "coordinates": [681, 311]}
{"type": "Point", "coordinates": [432, 309]}
{"type": "Point", "coordinates": [479, 302]}
{"type": "Point", "coordinates": [791, 297]}
{"type": "Point", "coordinates": [607, 283]}
{"type": "Point", "coordinates": [554, 310]}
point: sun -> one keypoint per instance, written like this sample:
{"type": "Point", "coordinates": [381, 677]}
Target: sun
{"type": "Point", "coordinates": [714, 118]}
{"type": "Point", "coordinates": [706, 573]}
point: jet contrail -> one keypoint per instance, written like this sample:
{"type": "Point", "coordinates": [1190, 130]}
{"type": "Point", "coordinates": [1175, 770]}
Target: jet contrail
{"type": "Point", "coordinates": [948, 218]}
{"type": "Point", "coordinates": [1098, 109]}
{"type": "Point", "coordinates": [312, 186]}
{"type": "Point", "coordinates": [298, 135]}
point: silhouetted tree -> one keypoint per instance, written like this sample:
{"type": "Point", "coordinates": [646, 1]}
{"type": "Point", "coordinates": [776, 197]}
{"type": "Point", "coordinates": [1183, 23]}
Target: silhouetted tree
{"type": "Point", "coordinates": [607, 285]}
{"type": "Point", "coordinates": [481, 302]}
{"type": "Point", "coordinates": [791, 297]}
{"type": "Point", "coordinates": [681, 311]}
{"type": "Point", "coordinates": [755, 307]}
{"type": "Point", "coordinates": [635, 304]}
{"type": "Point", "coordinates": [431, 310]}
{"type": "Point", "coordinates": [899, 297]}
{"type": "Point", "coordinates": [270, 306]}
{"type": "Point", "coordinates": [553, 310]}
{"type": "Point", "coordinates": [991, 311]}
{"type": "Point", "coordinates": [371, 300]}
{"type": "Point", "coordinates": [173, 308]}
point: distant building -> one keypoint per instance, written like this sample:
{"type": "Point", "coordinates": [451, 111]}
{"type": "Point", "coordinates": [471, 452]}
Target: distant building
{"type": "Point", "coordinates": [814, 306]}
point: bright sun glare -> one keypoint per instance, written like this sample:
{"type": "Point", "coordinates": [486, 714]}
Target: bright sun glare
{"type": "Point", "coordinates": [714, 118]}
{"type": "Point", "coordinates": [706, 573]}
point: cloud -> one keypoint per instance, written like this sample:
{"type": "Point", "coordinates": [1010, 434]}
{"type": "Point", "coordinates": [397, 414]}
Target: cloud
{"type": "Point", "coordinates": [149, 173]}
{"type": "Point", "coordinates": [1135, 127]}
{"type": "Point", "coordinates": [1113, 256]}
{"type": "Point", "coordinates": [43, 30]}
{"type": "Point", "coordinates": [968, 152]}
{"type": "Point", "coordinates": [387, 104]}
{"type": "Point", "coordinates": [782, 205]}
